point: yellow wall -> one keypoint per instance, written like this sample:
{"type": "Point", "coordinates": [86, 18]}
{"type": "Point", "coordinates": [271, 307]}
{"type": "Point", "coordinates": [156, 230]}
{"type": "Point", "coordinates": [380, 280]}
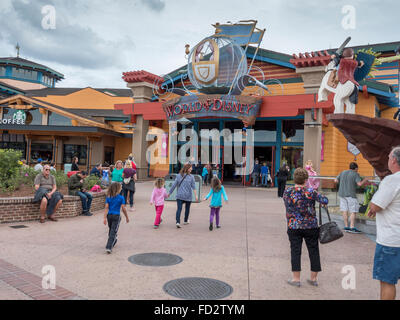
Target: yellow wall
{"type": "Point", "coordinates": [87, 98]}
{"type": "Point", "coordinates": [336, 156]}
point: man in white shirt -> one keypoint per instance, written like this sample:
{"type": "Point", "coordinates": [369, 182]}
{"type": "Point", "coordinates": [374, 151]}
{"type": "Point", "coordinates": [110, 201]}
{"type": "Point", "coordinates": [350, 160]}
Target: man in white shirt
{"type": "Point", "coordinates": [38, 166]}
{"type": "Point", "coordinates": [385, 205]}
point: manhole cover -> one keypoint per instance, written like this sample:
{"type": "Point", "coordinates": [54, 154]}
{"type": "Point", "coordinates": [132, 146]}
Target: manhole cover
{"type": "Point", "coordinates": [155, 259]}
{"type": "Point", "coordinates": [198, 289]}
{"type": "Point", "coordinates": [18, 227]}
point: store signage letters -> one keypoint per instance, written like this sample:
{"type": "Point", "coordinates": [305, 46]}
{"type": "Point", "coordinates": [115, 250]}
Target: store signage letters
{"type": "Point", "coordinates": [12, 121]}
{"type": "Point", "coordinates": [205, 106]}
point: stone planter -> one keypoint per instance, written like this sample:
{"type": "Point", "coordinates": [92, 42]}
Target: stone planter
{"type": "Point", "coordinates": [19, 209]}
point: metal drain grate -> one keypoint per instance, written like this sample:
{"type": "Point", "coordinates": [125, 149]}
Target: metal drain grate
{"type": "Point", "coordinates": [198, 289]}
{"type": "Point", "coordinates": [155, 259]}
{"type": "Point", "coordinates": [19, 227]}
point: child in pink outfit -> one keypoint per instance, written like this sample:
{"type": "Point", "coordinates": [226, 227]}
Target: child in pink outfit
{"type": "Point", "coordinates": [157, 198]}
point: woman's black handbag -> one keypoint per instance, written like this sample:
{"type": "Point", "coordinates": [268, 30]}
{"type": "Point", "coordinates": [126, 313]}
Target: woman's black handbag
{"type": "Point", "coordinates": [329, 231]}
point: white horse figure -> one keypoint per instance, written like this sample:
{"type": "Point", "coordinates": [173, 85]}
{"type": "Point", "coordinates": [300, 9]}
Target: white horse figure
{"type": "Point", "coordinates": [342, 91]}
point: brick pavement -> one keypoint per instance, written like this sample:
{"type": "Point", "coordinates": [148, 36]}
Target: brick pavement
{"type": "Point", "coordinates": [30, 284]}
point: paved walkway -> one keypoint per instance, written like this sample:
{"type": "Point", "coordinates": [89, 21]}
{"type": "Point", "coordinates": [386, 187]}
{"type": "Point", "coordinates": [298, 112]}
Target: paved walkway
{"type": "Point", "coordinates": [250, 252]}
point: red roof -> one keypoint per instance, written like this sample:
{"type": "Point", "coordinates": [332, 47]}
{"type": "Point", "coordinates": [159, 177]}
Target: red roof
{"type": "Point", "coordinates": [311, 60]}
{"type": "Point", "coordinates": [141, 76]}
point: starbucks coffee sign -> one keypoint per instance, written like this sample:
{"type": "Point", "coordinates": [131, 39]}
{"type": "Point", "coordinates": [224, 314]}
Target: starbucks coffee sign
{"type": "Point", "coordinates": [18, 118]}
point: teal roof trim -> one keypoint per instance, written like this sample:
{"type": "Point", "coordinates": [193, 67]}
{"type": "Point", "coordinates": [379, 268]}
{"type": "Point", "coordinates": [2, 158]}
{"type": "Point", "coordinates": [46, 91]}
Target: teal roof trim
{"type": "Point", "coordinates": [31, 65]}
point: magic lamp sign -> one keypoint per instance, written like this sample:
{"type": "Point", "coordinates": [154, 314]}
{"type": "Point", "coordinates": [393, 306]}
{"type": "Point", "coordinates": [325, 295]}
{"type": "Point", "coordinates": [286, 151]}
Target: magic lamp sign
{"type": "Point", "coordinates": [19, 118]}
{"type": "Point", "coordinates": [245, 108]}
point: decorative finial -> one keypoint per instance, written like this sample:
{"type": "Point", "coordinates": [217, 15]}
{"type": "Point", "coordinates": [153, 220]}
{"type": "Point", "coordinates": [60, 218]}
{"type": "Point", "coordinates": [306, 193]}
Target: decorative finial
{"type": "Point", "coordinates": [187, 46]}
{"type": "Point", "coordinates": [17, 47]}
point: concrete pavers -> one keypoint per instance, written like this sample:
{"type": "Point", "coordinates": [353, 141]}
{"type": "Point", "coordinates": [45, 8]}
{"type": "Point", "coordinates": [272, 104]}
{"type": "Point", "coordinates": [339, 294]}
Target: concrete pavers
{"type": "Point", "coordinates": [250, 252]}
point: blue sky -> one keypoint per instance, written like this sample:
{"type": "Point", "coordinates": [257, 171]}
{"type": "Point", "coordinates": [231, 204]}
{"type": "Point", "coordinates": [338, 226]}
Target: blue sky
{"type": "Point", "coordinates": [95, 41]}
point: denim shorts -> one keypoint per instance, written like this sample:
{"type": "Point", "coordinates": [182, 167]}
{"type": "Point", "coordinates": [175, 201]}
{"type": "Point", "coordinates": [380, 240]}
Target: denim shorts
{"type": "Point", "coordinates": [387, 264]}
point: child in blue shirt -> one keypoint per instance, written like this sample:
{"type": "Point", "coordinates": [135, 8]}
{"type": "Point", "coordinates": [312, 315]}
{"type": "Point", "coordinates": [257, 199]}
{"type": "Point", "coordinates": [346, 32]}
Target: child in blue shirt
{"type": "Point", "coordinates": [114, 203]}
{"type": "Point", "coordinates": [217, 191]}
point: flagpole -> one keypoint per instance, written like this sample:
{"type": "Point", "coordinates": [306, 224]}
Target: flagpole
{"type": "Point", "coordinates": [255, 54]}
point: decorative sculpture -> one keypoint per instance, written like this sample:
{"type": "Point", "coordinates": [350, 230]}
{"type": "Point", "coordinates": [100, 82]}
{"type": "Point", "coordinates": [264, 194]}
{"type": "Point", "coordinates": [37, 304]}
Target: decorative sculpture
{"type": "Point", "coordinates": [344, 81]}
{"type": "Point", "coordinates": [392, 59]}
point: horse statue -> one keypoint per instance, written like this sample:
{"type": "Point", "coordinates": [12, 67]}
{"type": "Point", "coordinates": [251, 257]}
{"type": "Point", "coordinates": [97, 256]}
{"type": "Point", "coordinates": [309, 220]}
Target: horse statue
{"type": "Point", "coordinates": [343, 82]}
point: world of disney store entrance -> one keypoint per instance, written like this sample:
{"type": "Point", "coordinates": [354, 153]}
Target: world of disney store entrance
{"type": "Point", "coordinates": [276, 141]}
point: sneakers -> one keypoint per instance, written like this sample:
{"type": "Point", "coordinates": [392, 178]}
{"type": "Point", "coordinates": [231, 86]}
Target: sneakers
{"type": "Point", "coordinates": [186, 222]}
{"type": "Point", "coordinates": [211, 227]}
{"type": "Point", "coordinates": [347, 229]}
{"type": "Point", "coordinates": [87, 213]}
{"type": "Point", "coordinates": [218, 227]}
{"type": "Point", "coordinates": [155, 227]}
{"type": "Point", "coordinates": [108, 251]}
{"type": "Point", "coordinates": [354, 230]}
{"type": "Point", "coordinates": [178, 225]}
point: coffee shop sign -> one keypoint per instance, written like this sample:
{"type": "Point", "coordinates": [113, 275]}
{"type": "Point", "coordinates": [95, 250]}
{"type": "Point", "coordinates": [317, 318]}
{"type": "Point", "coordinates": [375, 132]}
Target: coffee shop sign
{"type": "Point", "coordinates": [18, 118]}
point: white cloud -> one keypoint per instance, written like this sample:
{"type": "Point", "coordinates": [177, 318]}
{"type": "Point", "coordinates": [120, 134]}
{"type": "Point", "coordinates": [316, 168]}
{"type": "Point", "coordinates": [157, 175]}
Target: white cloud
{"type": "Point", "coordinates": [95, 41]}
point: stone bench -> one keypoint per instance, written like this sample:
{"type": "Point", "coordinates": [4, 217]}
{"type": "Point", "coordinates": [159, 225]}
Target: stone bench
{"type": "Point", "coordinates": [19, 209]}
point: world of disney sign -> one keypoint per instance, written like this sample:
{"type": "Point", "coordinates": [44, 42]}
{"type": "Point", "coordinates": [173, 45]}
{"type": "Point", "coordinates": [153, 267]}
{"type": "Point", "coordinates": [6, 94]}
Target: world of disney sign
{"type": "Point", "coordinates": [245, 108]}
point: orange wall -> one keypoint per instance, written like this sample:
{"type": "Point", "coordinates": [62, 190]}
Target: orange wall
{"type": "Point", "coordinates": [161, 170]}
{"type": "Point", "coordinates": [87, 98]}
{"type": "Point", "coordinates": [388, 113]}
{"type": "Point", "coordinates": [336, 156]}
{"type": "Point", "coordinates": [122, 148]}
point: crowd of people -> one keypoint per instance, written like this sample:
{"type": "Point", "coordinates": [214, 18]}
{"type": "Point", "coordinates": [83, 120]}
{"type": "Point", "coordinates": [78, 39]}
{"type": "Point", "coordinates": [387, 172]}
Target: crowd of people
{"type": "Point", "coordinates": [299, 200]}
{"type": "Point", "coordinates": [123, 173]}
{"type": "Point", "coordinates": [302, 223]}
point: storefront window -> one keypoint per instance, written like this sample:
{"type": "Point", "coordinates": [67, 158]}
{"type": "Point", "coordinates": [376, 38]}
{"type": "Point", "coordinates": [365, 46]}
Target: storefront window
{"type": "Point", "coordinates": [14, 142]}
{"type": "Point", "coordinates": [109, 155]}
{"type": "Point", "coordinates": [72, 150]}
{"type": "Point", "coordinates": [33, 116]}
{"type": "Point", "coordinates": [42, 150]}
{"type": "Point", "coordinates": [293, 157]}
{"type": "Point", "coordinates": [2, 71]}
{"type": "Point", "coordinates": [293, 130]}
{"type": "Point", "coordinates": [265, 131]}
{"type": "Point", "coordinates": [56, 119]}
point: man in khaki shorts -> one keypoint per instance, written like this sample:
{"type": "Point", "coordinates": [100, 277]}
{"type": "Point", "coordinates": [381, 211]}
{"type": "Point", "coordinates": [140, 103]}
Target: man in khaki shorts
{"type": "Point", "coordinates": [348, 181]}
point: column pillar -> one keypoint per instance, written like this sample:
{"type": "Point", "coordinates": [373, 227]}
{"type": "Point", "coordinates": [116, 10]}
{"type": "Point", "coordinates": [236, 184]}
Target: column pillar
{"type": "Point", "coordinates": [139, 146]}
{"type": "Point", "coordinates": [312, 138]}
{"type": "Point", "coordinates": [312, 77]}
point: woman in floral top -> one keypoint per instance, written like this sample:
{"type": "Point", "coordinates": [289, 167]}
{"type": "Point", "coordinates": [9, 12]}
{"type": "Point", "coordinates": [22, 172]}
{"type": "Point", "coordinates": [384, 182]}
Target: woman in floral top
{"type": "Point", "coordinates": [303, 224]}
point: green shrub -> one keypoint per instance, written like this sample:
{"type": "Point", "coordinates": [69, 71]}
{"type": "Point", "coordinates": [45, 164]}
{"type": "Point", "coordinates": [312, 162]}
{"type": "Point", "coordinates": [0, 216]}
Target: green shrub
{"type": "Point", "coordinates": [9, 169]}
{"type": "Point", "coordinates": [61, 178]}
{"type": "Point", "coordinates": [91, 181]}
{"type": "Point", "coordinates": [28, 175]}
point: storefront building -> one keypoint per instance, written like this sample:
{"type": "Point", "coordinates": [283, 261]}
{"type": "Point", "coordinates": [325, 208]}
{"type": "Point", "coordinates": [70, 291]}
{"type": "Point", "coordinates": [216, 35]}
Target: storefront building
{"type": "Point", "coordinates": [290, 126]}
{"type": "Point", "coordinates": [57, 124]}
